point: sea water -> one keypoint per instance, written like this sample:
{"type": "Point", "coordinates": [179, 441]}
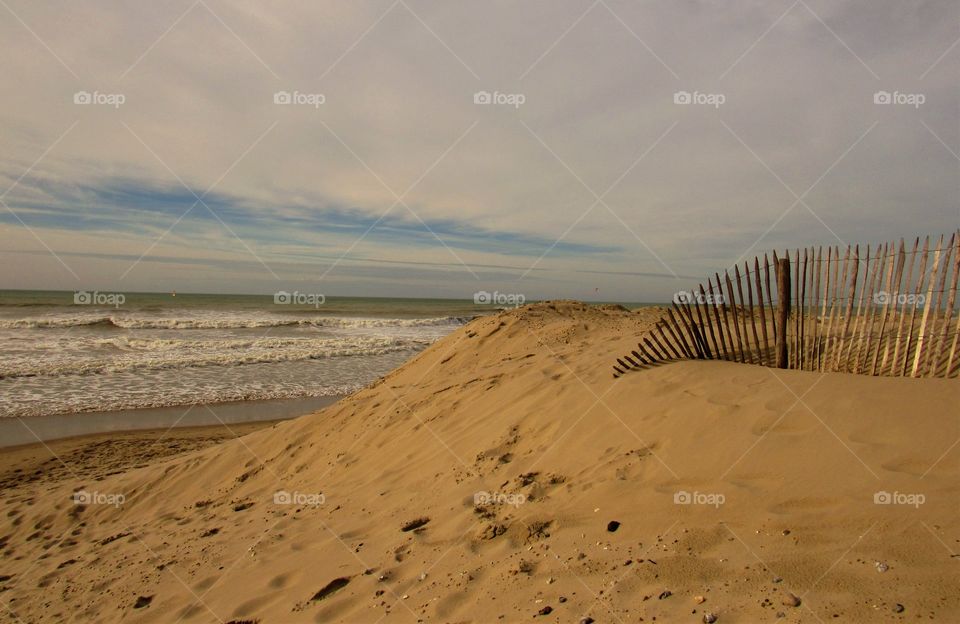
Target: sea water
{"type": "Point", "coordinates": [62, 353]}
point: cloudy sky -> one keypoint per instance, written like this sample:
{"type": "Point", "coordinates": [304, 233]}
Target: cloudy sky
{"type": "Point", "coordinates": [628, 148]}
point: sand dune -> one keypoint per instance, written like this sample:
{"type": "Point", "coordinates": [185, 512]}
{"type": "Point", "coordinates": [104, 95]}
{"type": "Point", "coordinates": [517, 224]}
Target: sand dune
{"type": "Point", "coordinates": [687, 492]}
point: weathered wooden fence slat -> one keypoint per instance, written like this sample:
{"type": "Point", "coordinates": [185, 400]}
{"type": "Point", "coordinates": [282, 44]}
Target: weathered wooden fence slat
{"type": "Point", "coordinates": [876, 311]}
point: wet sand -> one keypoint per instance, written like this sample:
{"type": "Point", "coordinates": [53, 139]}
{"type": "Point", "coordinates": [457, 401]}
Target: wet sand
{"type": "Point", "coordinates": [19, 431]}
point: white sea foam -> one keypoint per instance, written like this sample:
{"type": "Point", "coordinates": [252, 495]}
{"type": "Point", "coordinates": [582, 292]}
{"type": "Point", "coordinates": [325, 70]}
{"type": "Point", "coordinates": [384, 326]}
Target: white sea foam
{"type": "Point", "coordinates": [77, 355]}
{"type": "Point", "coordinates": [60, 359]}
{"type": "Point", "coordinates": [218, 321]}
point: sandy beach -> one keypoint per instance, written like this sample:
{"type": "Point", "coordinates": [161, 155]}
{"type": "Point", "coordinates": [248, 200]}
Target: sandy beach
{"type": "Point", "coordinates": [410, 312]}
{"type": "Point", "coordinates": [504, 475]}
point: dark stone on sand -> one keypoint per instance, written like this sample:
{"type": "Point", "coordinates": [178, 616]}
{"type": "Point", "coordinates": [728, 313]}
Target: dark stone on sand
{"type": "Point", "coordinates": [899, 608]}
{"type": "Point", "coordinates": [664, 594]}
{"type": "Point", "coordinates": [143, 601]}
{"type": "Point", "coordinates": [586, 620]}
{"type": "Point", "coordinates": [546, 610]}
{"type": "Point", "coordinates": [612, 526]}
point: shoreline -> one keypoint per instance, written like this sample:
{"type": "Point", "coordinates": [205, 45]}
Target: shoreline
{"type": "Point", "coordinates": [37, 430]}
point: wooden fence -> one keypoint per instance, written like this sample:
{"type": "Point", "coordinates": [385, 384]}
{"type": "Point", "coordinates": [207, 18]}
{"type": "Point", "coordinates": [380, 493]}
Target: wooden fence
{"type": "Point", "coordinates": [887, 310]}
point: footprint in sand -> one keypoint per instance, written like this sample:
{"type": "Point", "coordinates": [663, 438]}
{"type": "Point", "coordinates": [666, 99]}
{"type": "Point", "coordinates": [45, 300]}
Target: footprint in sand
{"type": "Point", "coordinates": [280, 581]}
{"type": "Point", "coordinates": [914, 466]}
{"type": "Point", "coordinates": [331, 588]}
{"type": "Point", "coordinates": [805, 504]}
{"type": "Point", "coordinates": [414, 525]}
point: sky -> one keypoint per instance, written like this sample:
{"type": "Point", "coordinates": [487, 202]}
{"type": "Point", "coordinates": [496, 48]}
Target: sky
{"type": "Point", "coordinates": [602, 150]}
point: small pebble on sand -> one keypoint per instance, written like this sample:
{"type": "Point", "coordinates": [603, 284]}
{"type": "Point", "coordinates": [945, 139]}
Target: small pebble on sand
{"type": "Point", "coordinates": [791, 600]}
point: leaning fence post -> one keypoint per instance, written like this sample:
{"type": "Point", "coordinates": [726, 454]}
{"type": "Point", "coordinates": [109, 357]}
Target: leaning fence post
{"type": "Point", "coordinates": [783, 312]}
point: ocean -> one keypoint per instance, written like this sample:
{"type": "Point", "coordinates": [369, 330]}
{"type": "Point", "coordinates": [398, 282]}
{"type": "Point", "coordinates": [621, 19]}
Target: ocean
{"type": "Point", "coordinates": [66, 352]}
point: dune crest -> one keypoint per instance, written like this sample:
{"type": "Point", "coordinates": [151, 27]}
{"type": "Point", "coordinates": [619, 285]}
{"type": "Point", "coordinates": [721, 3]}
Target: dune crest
{"type": "Point", "coordinates": [502, 475]}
